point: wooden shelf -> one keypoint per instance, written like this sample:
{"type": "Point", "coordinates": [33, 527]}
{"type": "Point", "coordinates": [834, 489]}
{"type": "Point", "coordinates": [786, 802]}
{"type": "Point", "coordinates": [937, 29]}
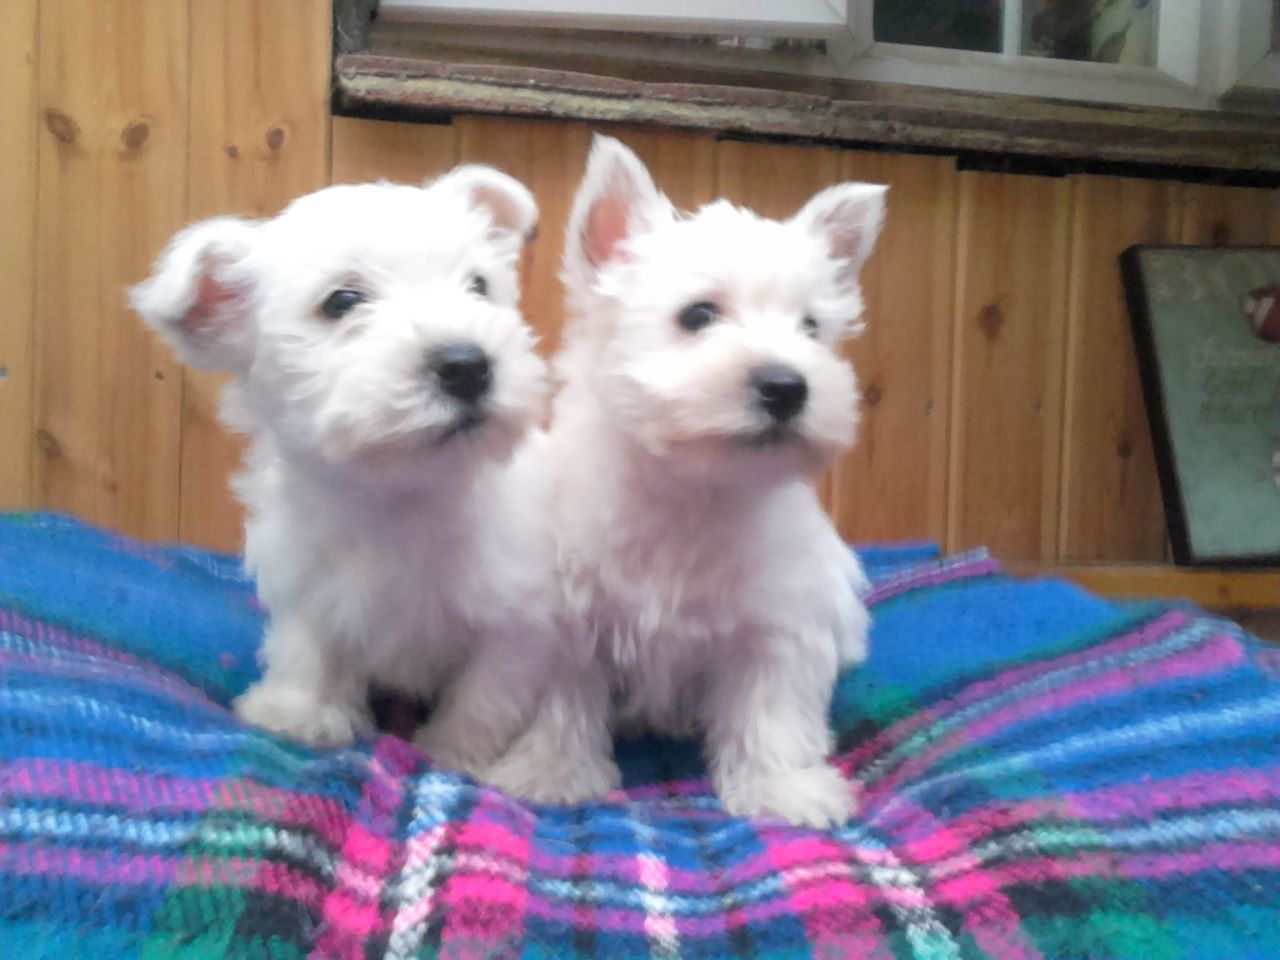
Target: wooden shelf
{"type": "Point", "coordinates": [1217, 589]}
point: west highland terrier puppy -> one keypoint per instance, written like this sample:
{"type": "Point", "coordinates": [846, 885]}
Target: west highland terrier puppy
{"type": "Point", "coordinates": [390, 388]}
{"type": "Point", "coordinates": [702, 394]}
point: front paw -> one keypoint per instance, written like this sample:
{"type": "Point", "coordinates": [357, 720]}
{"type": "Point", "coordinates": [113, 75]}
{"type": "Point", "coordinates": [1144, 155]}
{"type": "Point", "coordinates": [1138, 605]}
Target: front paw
{"type": "Point", "coordinates": [817, 796]}
{"type": "Point", "coordinates": [553, 778]}
{"type": "Point", "coordinates": [300, 715]}
{"type": "Point", "coordinates": [447, 751]}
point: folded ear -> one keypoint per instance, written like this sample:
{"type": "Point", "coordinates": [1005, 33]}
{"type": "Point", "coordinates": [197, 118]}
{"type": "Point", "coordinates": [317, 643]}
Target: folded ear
{"type": "Point", "coordinates": [199, 297]}
{"type": "Point", "coordinates": [616, 200]}
{"type": "Point", "coordinates": [510, 206]}
{"type": "Point", "coordinates": [847, 218]}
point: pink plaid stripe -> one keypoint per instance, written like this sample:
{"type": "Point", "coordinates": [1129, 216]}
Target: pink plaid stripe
{"type": "Point", "coordinates": [826, 904]}
{"type": "Point", "coordinates": [485, 899]}
{"type": "Point", "coordinates": [1216, 654]}
{"type": "Point", "coordinates": [351, 913]}
{"type": "Point", "coordinates": [897, 733]}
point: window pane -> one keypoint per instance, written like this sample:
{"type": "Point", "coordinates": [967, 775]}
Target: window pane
{"type": "Point", "coordinates": [1275, 28]}
{"type": "Point", "coordinates": [957, 24]}
{"type": "Point", "coordinates": [1104, 31]}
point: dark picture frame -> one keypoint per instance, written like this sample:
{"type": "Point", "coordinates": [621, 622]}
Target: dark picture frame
{"type": "Point", "coordinates": [1208, 347]}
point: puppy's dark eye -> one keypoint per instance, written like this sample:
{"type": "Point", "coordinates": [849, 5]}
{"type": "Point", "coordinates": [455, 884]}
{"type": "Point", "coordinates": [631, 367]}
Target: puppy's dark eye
{"type": "Point", "coordinates": [698, 315]}
{"type": "Point", "coordinates": [341, 302]}
{"type": "Point", "coordinates": [478, 285]}
{"type": "Point", "coordinates": [810, 326]}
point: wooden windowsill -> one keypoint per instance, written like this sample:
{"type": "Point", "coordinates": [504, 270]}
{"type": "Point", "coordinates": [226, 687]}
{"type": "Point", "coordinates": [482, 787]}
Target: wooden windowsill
{"type": "Point", "coordinates": [390, 77]}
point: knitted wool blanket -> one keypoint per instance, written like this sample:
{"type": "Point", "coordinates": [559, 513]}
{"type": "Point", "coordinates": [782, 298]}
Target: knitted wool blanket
{"type": "Point", "coordinates": [1044, 774]}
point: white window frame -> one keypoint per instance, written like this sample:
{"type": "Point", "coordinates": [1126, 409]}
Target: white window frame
{"type": "Point", "coordinates": [1205, 49]}
{"type": "Point", "coordinates": [797, 18]}
{"type": "Point", "coordinates": [1242, 62]}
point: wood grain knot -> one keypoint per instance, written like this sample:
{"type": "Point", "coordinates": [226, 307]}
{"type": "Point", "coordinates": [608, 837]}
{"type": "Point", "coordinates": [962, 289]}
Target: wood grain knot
{"type": "Point", "coordinates": [159, 374]}
{"type": "Point", "coordinates": [135, 135]}
{"type": "Point", "coordinates": [233, 151]}
{"type": "Point", "coordinates": [1220, 234]}
{"type": "Point", "coordinates": [873, 394]}
{"type": "Point", "coordinates": [49, 445]}
{"type": "Point", "coordinates": [275, 138]}
{"type": "Point", "coordinates": [991, 320]}
{"type": "Point", "coordinates": [61, 125]}
{"type": "Point", "coordinates": [1124, 447]}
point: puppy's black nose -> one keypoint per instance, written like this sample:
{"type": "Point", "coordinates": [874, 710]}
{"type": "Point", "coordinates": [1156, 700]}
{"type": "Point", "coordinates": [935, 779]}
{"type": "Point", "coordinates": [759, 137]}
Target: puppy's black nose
{"type": "Point", "coordinates": [463, 371]}
{"type": "Point", "coordinates": [780, 391]}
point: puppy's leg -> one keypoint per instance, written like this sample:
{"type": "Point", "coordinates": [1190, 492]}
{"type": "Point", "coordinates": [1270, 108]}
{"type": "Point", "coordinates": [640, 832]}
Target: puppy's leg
{"type": "Point", "coordinates": [852, 627]}
{"type": "Point", "coordinates": [566, 755]}
{"type": "Point", "coordinates": [307, 691]}
{"type": "Point", "coordinates": [768, 738]}
{"type": "Point", "coordinates": [490, 702]}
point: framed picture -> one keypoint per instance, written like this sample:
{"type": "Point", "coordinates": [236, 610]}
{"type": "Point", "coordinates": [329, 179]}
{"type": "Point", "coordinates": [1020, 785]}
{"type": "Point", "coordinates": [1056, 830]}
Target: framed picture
{"type": "Point", "coordinates": [1206, 324]}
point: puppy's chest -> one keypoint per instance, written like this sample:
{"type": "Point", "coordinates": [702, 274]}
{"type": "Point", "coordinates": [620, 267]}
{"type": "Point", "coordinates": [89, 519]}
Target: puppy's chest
{"type": "Point", "coordinates": [660, 611]}
{"type": "Point", "coordinates": [399, 604]}
{"type": "Point", "coordinates": [641, 590]}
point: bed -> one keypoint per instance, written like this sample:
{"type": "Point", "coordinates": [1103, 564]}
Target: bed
{"type": "Point", "coordinates": [1044, 774]}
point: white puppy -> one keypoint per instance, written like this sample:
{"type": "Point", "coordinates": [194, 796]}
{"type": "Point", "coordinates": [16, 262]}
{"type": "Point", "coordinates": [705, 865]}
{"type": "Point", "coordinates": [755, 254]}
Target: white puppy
{"type": "Point", "coordinates": [702, 393]}
{"type": "Point", "coordinates": [396, 513]}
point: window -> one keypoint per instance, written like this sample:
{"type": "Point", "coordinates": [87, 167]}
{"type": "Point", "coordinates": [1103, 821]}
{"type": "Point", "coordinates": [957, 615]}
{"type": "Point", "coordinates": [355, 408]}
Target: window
{"type": "Point", "coordinates": [1173, 53]}
{"type": "Point", "coordinates": [789, 18]}
{"type": "Point", "coordinates": [1121, 31]}
{"type": "Point", "coordinates": [1251, 60]}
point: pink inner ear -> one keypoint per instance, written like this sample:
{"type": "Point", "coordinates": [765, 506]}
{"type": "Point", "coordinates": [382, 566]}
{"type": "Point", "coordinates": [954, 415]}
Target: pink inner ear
{"type": "Point", "coordinates": [501, 208]}
{"type": "Point", "coordinates": [844, 238]}
{"type": "Point", "coordinates": [208, 313]}
{"type": "Point", "coordinates": [606, 229]}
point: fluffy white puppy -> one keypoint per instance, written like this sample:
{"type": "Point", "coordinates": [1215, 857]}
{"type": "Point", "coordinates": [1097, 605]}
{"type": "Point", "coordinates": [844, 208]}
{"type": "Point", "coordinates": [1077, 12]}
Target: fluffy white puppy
{"type": "Point", "coordinates": [396, 508]}
{"type": "Point", "coordinates": [702, 393]}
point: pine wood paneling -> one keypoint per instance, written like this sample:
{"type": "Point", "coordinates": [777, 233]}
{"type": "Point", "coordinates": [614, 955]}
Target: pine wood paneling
{"type": "Point", "coordinates": [683, 164]}
{"type": "Point", "coordinates": [112, 189]}
{"type": "Point", "coordinates": [893, 485]}
{"type": "Point", "coordinates": [18, 138]}
{"type": "Point", "coordinates": [548, 158]}
{"type": "Point", "coordinates": [1111, 507]}
{"type": "Point", "coordinates": [1229, 216]}
{"type": "Point", "coordinates": [259, 139]}
{"type": "Point", "coordinates": [1007, 393]}
{"type": "Point", "coordinates": [365, 150]}
{"type": "Point", "coordinates": [1000, 395]}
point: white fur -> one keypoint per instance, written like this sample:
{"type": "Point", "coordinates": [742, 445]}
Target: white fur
{"type": "Point", "coordinates": [389, 544]}
{"type": "Point", "coordinates": [713, 592]}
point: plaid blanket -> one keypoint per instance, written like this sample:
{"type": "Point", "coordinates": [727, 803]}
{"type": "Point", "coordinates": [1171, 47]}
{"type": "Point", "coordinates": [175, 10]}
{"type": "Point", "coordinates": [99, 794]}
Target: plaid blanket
{"type": "Point", "coordinates": [1045, 774]}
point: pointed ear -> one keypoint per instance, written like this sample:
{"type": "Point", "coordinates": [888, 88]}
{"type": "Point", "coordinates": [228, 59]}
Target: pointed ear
{"type": "Point", "coordinates": [847, 218]}
{"type": "Point", "coordinates": [616, 200]}
{"type": "Point", "coordinates": [199, 297]}
{"type": "Point", "coordinates": [508, 203]}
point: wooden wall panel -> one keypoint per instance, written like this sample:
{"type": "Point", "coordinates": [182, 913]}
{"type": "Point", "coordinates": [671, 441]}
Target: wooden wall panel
{"type": "Point", "coordinates": [1001, 400]}
{"type": "Point", "coordinates": [893, 485]}
{"type": "Point", "coordinates": [683, 164]}
{"type": "Point", "coordinates": [548, 158]}
{"type": "Point", "coordinates": [18, 23]}
{"type": "Point", "coordinates": [1229, 216]}
{"type": "Point", "coordinates": [259, 138]}
{"type": "Point", "coordinates": [365, 150]}
{"type": "Point", "coordinates": [112, 188]}
{"type": "Point", "coordinates": [1007, 393]}
{"type": "Point", "coordinates": [776, 180]}
{"type": "Point", "coordinates": [1111, 507]}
